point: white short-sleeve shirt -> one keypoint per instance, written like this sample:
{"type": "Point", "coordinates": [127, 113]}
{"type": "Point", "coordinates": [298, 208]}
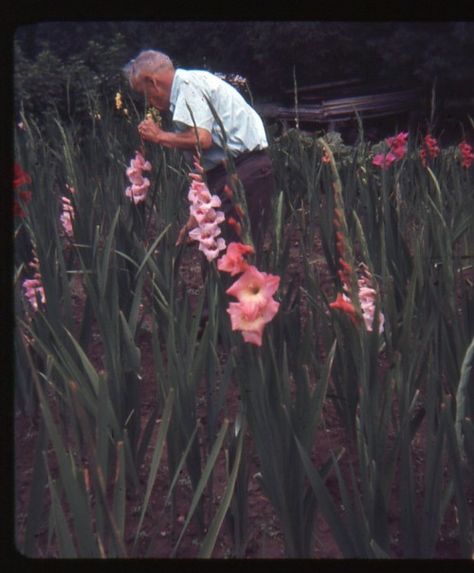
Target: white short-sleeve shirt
{"type": "Point", "coordinates": [243, 127]}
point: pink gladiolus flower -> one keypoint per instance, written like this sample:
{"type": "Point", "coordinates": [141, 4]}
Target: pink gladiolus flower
{"type": "Point", "coordinates": [67, 216]}
{"type": "Point", "coordinates": [138, 190]}
{"type": "Point", "coordinates": [251, 319]}
{"type": "Point", "coordinates": [34, 287]}
{"type": "Point", "coordinates": [197, 187]}
{"type": "Point", "coordinates": [34, 290]}
{"type": "Point", "coordinates": [254, 287]}
{"type": "Point", "coordinates": [135, 175]}
{"type": "Point", "coordinates": [233, 261]}
{"type": "Point", "coordinates": [140, 163]}
{"type": "Point", "coordinates": [205, 233]}
{"type": "Point", "coordinates": [367, 298]}
{"type": "Point", "coordinates": [212, 249]}
{"type": "Point", "coordinates": [204, 214]}
{"type": "Point", "coordinates": [199, 195]}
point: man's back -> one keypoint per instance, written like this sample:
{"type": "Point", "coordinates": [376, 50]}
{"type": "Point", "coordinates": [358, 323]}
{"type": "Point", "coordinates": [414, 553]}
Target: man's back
{"type": "Point", "coordinates": [243, 126]}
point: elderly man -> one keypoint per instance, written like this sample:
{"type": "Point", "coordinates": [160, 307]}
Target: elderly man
{"type": "Point", "coordinates": [185, 93]}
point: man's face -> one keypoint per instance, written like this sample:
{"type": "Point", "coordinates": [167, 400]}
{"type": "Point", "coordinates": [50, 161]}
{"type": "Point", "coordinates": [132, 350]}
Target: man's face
{"type": "Point", "coordinates": [156, 88]}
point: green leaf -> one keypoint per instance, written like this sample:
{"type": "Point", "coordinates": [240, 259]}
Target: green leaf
{"type": "Point", "coordinates": [63, 535]}
{"type": "Point", "coordinates": [463, 509]}
{"type": "Point", "coordinates": [156, 459]}
{"type": "Point", "coordinates": [151, 250]}
{"type": "Point", "coordinates": [209, 467]}
{"type": "Point", "coordinates": [210, 540]}
{"type": "Point", "coordinates": [462, 394]}
{"type": "Point", "coordinates": [78, 503]}
{"type": "Point", "coordinates": [38, 483]}
{"type": "Point", "coordinates": [132, 352]}
{"type": "Point", "coordinates": [119, 502]}
{"type": "Point", "coordinates": [327, 506]}
{"type": "Point", "coordinates": [104, 270]}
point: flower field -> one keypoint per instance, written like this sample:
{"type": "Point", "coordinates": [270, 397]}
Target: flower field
{"type": "Point", "coordinates": [201, 399]}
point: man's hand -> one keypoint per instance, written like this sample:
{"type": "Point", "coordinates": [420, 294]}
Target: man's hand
{"type": "Point", "coordinates": [150, 131]}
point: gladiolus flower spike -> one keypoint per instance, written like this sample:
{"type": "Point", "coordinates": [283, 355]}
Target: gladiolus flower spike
{"type": "Point", "coordinates": [430, 149]}
{"type": "Point", "coordinates": [203, 209]}
{"type": "Point", "coordinates": [397, 151]}
{"type": "Point", "coordinates": [467, 156]}
{"type": "Point", "coordinates": [254, 290]}
{"type": "Point", "coordinates": [138, 190]}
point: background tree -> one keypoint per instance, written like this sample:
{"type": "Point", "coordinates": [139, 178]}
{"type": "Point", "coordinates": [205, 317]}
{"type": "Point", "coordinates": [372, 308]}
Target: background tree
{"type": "Point", "coordinates": [58, 63]}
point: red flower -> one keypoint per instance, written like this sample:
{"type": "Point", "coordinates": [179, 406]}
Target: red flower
{"type": "Point", "coordinates": [430, 149]}
{"type": "Point", "coordinates": [340, 244]}
{"type": "Point", "coordinates": [345, 272]}
{"type": "Point", "coordinates": [20, 178]}
{"type": "Point", "coordinates": [338, 217]}
{"type": "Point", "coordinates": [397, 150]}
{"type": "Point", "coordinates": [398, 144]}
{"type": "Point", "coordinates": [467, 157]}
{"type": "Point", "coordinates": [384, 161]}
{"type": "Point", "coordinates": [344, 304]}
{"type": "Point", "coordinates": [228, 191]}
{"type": "Point", "coordinates": [235, 225]}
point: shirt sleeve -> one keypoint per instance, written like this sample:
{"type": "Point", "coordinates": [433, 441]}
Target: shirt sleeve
{"type": "Point", "coordinates": [191, 108]}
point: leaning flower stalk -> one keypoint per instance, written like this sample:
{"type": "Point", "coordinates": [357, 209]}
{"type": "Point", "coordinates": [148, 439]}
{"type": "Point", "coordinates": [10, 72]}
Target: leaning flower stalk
{"type": "Point", "coordinates": [138, 190]}
{"type": "Point", "coordinates": [362, 310]}
{"type": "Point", "coordinates": [203, 211]}
{"type": "Point", "coordinates": [254, 290]}
{"type": "Point", "coordinates": [366, 292]}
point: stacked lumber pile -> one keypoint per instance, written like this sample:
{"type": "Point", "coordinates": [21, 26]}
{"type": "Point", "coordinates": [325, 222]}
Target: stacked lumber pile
{"type": "Point", "coordinates": [319, 104]}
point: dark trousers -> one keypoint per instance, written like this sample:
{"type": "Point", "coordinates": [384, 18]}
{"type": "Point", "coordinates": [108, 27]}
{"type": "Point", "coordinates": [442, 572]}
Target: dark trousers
{"type": "Point", "coordinates": [254, 170]}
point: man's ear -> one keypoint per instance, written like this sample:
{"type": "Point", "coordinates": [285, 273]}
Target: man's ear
{"type": "Point", "coordinates": [154, 82]}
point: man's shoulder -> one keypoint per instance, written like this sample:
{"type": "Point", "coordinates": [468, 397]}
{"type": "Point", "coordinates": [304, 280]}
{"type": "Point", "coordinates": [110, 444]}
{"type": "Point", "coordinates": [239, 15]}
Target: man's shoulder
{"type": "Point", "coordinates": [196, 76]}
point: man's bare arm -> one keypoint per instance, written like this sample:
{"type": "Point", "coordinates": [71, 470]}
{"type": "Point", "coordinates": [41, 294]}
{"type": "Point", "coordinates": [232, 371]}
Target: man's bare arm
{"type": "Point", "coordinates": [188, 139]}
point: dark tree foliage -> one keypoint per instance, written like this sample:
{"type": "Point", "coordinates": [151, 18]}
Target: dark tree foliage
{"type": "Point", "coordinates": [63, 65]}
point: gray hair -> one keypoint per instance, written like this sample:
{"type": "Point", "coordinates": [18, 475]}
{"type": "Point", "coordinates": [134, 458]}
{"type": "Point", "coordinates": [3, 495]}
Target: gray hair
{"type": "Point", "coordinates": [147, 61]}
